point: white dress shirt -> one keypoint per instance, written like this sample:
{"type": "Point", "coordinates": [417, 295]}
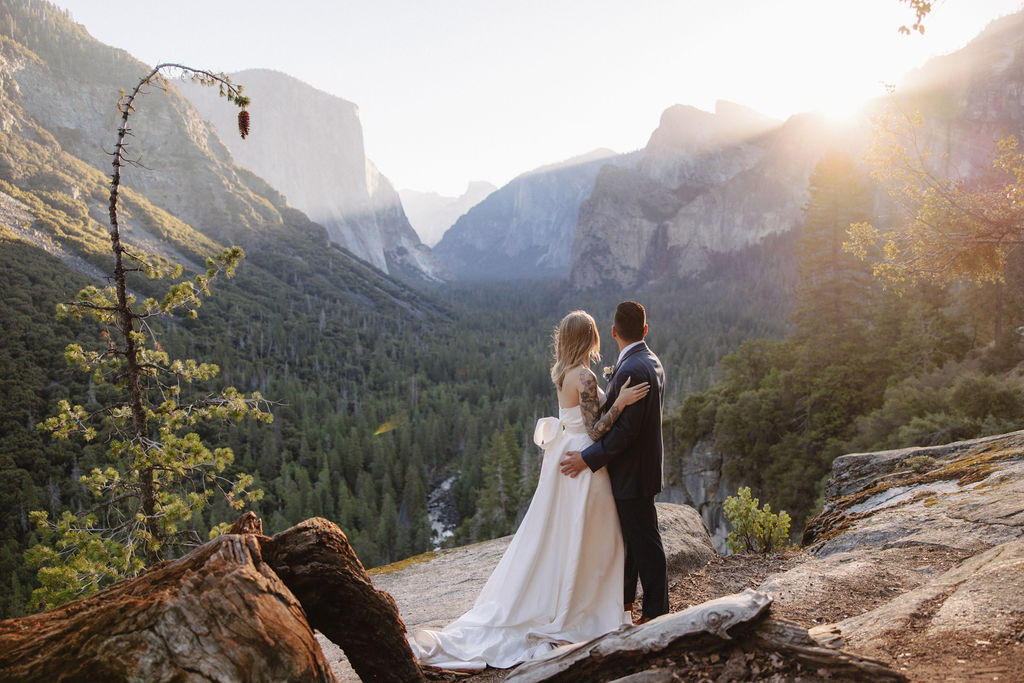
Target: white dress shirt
{"type": "Point", "coordinates": [622, 353]}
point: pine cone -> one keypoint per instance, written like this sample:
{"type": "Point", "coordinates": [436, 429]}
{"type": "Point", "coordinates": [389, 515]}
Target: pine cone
{"type": "Point", "coordinates": [243, 123]}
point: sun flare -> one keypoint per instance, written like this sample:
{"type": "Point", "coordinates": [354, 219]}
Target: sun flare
{"type": "Point", "coordinates": [841, 104]}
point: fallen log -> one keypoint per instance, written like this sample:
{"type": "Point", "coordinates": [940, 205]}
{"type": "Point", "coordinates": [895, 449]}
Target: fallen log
{"type": "Point", "coordinates": [219, 613]}
{"type": "Point", "coordinates": [734, 623]}
{"type": "Point", "coordinates": [241, 607]}
{"type": "Point", "coordinates": [315, 561]}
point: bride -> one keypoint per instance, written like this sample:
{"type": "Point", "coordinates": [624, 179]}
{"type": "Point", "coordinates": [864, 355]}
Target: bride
{"type": "Point", "coordinates": [561, 579]}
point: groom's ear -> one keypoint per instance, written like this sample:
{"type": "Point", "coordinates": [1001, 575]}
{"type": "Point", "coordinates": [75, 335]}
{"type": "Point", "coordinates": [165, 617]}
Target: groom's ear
{"type": "Point", "coordinates": [645, 331]}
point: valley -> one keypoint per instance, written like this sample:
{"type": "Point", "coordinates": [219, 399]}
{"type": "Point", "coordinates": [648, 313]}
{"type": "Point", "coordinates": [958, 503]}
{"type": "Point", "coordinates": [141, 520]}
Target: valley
{"type": "Point", "coordinates": [399, 372]}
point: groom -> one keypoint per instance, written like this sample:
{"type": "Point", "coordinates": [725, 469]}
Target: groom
{"type": "Point", "coordinates": [632, 451]}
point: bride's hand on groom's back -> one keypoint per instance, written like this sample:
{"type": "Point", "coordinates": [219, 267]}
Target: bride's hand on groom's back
{"type": "Point", "coordinates": [628, 395]}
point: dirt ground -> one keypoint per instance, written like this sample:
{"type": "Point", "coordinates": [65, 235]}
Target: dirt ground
{"type": "Point", "coordinates": [913, 653]}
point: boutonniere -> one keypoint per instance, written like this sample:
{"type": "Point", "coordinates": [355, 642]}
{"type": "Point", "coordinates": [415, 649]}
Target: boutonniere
{"type": "Point", "coordinates": [607, 372]}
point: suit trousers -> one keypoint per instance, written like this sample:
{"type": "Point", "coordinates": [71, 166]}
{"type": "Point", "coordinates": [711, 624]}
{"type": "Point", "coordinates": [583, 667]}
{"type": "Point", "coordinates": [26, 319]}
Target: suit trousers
{"type": "Point", "coordinates": [645, 555]}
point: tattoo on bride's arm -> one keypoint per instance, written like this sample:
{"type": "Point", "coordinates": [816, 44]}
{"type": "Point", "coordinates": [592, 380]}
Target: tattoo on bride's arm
{"type": "Point", "coordinates": [590, 404]}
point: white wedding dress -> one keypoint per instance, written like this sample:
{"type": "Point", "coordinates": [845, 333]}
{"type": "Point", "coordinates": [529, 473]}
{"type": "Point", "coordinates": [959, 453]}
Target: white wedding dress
{"type": "Point", "coordinates": [559, 581]}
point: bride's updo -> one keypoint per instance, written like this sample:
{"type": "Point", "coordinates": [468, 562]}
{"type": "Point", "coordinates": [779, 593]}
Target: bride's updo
{"type": "Point", "coordinates": [576, 342]}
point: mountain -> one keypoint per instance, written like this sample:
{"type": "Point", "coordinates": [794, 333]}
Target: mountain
{"type": "Point", "coordinates": [323, 171]}
{"type": "Point", "coordinates": [341, 347]}
{"type": "Point", "coordinates": [713, 183]}
{"type": "Point", "coordinates": [706, 183]}
{"type": "Point", "coordinates": [971, 98]}
{"type": "Point", "coordinates": [525, 229]}
{"type": "Point", "coordinates": [431, 214]}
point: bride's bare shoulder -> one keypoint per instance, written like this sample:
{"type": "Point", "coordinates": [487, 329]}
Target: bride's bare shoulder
{"type": "Point", "coordinates": [578, 376]}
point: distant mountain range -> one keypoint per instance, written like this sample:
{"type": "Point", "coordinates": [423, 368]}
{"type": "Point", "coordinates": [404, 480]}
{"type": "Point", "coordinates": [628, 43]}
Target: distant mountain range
{"type": "Point", "coordinates": [714, 183]}
{"type": "Point", "coordinates": [431, 214]}
{"type": "Point", "coordinates": [526, 229]}
{"type": "Point", "coordinates": [706, 183]}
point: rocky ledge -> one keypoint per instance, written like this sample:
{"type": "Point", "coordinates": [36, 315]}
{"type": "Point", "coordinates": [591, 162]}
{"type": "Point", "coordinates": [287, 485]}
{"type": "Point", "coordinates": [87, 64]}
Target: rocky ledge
{"type": "Point", "coordinates": [912, 571]}
{"type": "Point", "coordinates": [938, 536]}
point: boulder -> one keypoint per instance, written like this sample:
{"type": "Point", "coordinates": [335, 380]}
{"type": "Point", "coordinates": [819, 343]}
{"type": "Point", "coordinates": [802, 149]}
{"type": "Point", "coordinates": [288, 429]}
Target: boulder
{"type": "Point", "coordinates": [967, 495]}
{"type": "Point", "coordinates": [685, 537]}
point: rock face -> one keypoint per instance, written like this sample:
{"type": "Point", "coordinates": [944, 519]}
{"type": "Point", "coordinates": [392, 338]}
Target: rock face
{"type": "Point", "coordinates": [526, 229]}
{"type": "Point", "coordinates": [971, 98]}
{"type": "Point", "coordinates": [705, 183]}
{"type": "Point", "coordinates": [935, 534]}
{"type": "Point", "coordinates": [700, 482]}
{"type": "Point", "coordinates": [711, 183]}
{"type": "Point", "coordinates": [314, 155]}
{"type": "Point", "coordinates": [432, 214]}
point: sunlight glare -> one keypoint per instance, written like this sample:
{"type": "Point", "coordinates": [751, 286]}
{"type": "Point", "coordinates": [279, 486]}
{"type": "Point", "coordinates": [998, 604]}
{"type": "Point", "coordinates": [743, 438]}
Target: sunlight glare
{"type": "Point", "coordinates": [842, 101]}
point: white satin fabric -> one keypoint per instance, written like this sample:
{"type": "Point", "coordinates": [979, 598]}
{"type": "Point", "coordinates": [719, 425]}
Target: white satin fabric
{"type": "Point", "coordinates": [559, 581]}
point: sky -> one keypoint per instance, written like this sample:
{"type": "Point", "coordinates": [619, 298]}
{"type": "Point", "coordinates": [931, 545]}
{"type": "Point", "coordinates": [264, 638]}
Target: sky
{"type": "Point", "coordinates": [453, 91]}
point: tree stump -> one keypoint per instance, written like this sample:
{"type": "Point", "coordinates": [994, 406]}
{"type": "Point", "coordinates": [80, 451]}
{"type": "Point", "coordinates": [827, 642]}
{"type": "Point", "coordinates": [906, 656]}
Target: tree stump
{"type": "Point", "coordinates": [315, 561]}
{"type": "Point", "coordinates": [219, 613]}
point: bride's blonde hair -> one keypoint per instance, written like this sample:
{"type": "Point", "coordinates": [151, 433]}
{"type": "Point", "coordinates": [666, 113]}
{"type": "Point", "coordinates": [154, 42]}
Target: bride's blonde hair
{"type": "Point", "coordinates": [576, 342]}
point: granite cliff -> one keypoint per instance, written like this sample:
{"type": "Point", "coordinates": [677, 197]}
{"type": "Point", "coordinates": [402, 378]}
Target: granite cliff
{"type": "Point", "coordinates": [971, 98]}
{"type": "Point", "coordinates": [525, 229]}
{"type": "Point", "coordinates": [314, 155]}
{"type": "Point", "coordinates": [711, 183]}
{"type": "Point", "coordinates": [705, 183]}
{"type": "Point", "coordinates": [697, 479]}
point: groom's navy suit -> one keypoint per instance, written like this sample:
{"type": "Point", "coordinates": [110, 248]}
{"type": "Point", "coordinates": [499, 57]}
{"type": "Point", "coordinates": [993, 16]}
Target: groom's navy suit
{"type": "Point", "coordinates": [632, 451]}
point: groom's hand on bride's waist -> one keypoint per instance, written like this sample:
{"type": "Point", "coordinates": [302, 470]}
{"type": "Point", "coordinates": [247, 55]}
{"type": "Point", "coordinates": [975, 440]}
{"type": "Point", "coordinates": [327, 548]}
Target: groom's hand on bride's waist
{"type": "Point", "coordinates": [572, 463]}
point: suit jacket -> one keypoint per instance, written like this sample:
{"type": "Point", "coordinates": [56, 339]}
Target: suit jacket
{"type": "Point", "coordinates": [632, 450]}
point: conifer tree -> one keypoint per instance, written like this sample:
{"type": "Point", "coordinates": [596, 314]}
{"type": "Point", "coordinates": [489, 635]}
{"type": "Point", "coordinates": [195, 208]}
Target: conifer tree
{"type": "Point", "coordinates": [502, 489]}
{"type": "Point", "coordinates": [160, 472]}
{"type": "Point", "coordinates": [834, 289]}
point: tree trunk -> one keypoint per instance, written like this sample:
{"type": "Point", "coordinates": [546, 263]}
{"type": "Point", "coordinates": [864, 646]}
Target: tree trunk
{"type": "Point", "coordinates": [219, 613]}
{"type": "Point", "coordinates": [316, 562]}
{"type": "Point", "coordinates": [240, 607]}
{"type": "Point", "coordinates": [714, 628]}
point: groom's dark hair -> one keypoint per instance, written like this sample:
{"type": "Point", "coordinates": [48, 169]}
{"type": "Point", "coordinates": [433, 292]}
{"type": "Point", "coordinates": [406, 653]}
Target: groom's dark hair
{"type": "Point", "coordinates": [630, 319]}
